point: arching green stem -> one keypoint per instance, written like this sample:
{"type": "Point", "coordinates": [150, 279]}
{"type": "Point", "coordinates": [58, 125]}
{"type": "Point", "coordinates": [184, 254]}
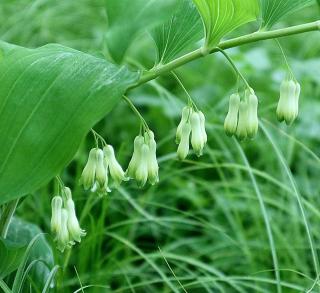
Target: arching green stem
{"type": "Point", "coordinates": [236, 42]}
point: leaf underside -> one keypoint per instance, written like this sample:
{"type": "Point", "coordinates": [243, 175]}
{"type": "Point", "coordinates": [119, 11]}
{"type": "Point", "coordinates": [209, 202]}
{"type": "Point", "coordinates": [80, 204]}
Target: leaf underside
{"type": "Point", "coordinates": [11, 254]}
{"type": "Point", "coordinates": [181, 31]}
{"type": "Point", "coordinates": [273, 10]}
{"type": "Point", "coordinates": [50, 97]}
{"type": "Point", "coordinates": [223, 16]}
{"type": "Point", "coordinates": [22, 232]}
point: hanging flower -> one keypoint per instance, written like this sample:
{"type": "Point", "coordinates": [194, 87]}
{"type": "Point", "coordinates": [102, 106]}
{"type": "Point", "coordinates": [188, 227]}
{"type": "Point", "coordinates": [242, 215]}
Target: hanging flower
{"type": "Point", "coordinates": [56, 208]}
{"type": "Point", "coordinates": [197, 138]}
{"type": "Point", "coordinates": [253, 121]}
{"type": "Point", "coordinates": [141, 174]}
{"type": "Point", "coordinates": [100, 177]}
{"type": "Point", "coordinates": [62, 237]}
{"type": "Point", "coordinates": [288, 105]}
{"type": "Point", "coordinates": [116, 171]}
{"type": "Point", "coordinates": [136, 157]}
{"type": "Point", "coordinates": [89, 172]}
{"type": "Point", "coordinates": [183, 148]}
{"type": "Point", "coordinates": [186, 113]}
{"type": "Point", "coordinates": [153, 168]}
{"type": "Point", "coordinates": [203, 127]}
{"type": "Point", "coordinates": [72, 223]}
{"type": "Point", "coordinates": [241, 132]}
{"type": "Point", "coordinates": [231, 121]}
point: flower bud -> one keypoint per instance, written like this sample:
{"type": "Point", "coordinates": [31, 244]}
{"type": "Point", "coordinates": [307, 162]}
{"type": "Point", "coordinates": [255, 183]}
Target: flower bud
{"type": "Point", "coordinates": [72, 222]}
{"type": "Point", "coordinates": [89, 171]}
{"type": "Point", "coordinates": [183, 148]}
{"type": "Point", "coordinates": [56, 206]}
{"type": "Point", "coordinates": [203, 127]}
{"type": "Point", "coordinates": [241, 132]}
{"type": "Point", "coordinates": [197, 139]}
{"type": "Point", "coordinates": [142, 169]}
{"type": "Point", "coordinates": [63, 239]}
{"type": "Point", "coordinates": [136, 156]}
{"type": "Point", "coordinates": [186, 112]}
{"type": "Point", "coordinates": [153, 168]}
{"type": "Point", "coordinates": [115, 169]}
{"type": "Point", "coordinates": [253, 121]}
{"type": "Point", "coordinates": [231, 121]}
{"type": "Point", "coordinates": [287, 109]}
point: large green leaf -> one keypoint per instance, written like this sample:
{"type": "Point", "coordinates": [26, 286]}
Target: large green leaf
{"type": "Point", "coordinates": [273, 10]}
{"type": "Point", "coordinates": [182, 30]}
{"type": "Point", "coordinates": [127, 18]}
{"type": "Point", "coordinates": [11, 254]}
{"type": "Point", "coordinates": [22, 232]}
{"type": "Point", "coordinates": [50, 97]}
{"type": "Point", "coordinates": [223, 16]}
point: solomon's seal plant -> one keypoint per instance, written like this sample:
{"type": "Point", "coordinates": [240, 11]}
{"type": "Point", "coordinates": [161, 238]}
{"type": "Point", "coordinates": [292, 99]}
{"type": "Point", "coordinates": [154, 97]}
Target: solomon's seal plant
{"type": "Point", "coordinates": [52, 96]}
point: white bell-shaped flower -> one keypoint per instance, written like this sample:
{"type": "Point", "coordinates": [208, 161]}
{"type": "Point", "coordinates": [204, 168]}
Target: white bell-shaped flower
{"type": "Point", "coordinates": [153, 167]}
{"type": "Point", "coordinates": [63, 238]}
{"type": "Point", "coordinates": [186, 114]}
{"type": "Point", "coordinates": [197, 139]}
{"type": "Point", "coordinates": [56, 207]}
{"type": "Point", "coordinates": [89, 172]}
{"type": "Point", "coordinates": [253, 121]}
{"type": "Point", "coordinates": [75, 232]}
{"type": "Point", "coordinates": [231, 121]}
{"type": "Point", "coordinates": [136, 156]}
{"type": "Point", "coordinates": [203, 127]}
{"type": "Point", "coordinates": [287, 109]}
{"type": "Point", "coordinates": [100, 169]}
{"type": "Point", "coordinates": [116, 171]}
{"type": "Point", "coordinates": [297, 97]}
{"type": "Point", "coordinates": [142, 170]}
{"type": "Point", "coordinates": [241, 132]}
{"type": "Point", "coordinates": [183, 148]}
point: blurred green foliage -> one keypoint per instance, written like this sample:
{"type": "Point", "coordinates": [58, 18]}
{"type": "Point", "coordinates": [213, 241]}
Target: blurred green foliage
{"type": "Point", "coordinates": [204, 215]}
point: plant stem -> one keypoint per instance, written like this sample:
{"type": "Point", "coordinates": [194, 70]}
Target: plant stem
{"type": "Point", "coordinates": [236, 70]}
{"type": "Point", "coordinates": [136, 111]}
{"type": "Point", "coordinates": [6, 217]}
{"type": "Point", "coordinates": [239, 41]}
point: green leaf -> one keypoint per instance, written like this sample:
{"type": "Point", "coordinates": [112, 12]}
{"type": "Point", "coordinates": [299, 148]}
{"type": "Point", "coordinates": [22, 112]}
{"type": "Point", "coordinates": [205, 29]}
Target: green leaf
{"type": "Point", "coordinates": [181, 31]}
{"type": "Point", "coordinates": [223, 16]}
{"type": "Point", "coordinates": [11, 255]}
{"type": "Point", "coordinates": [127, 18]}
{"type": "Point", "coordinates": [23, 232]}
{"type": "Point", "coordinates": [50, 97]}
{"type": "Point", "coordinates": [273, 10]}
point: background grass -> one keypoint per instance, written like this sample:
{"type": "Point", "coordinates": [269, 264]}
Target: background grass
{"type": "Point", "coordinates": [204, 227]}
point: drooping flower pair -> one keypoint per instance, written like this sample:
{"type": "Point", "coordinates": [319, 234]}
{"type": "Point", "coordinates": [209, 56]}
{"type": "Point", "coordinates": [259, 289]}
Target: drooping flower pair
{"type": "Point", "coordinates": [192, 123]}
{"type": "Point", "coordinates": [288, 105]}
{"type": "Point", "coordinates": [242, 118]}
{"type": "Point", "coordinates": [64, 222]}
{"type": "Point", "coordinates": [95, 175]}
{"type": "Point", "coordinates": [143, 165]}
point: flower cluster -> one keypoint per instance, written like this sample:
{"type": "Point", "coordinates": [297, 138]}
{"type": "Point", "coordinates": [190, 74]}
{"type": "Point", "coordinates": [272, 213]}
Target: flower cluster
{"type": "Point", "coordinates": [64, 223]}
{"type": "Point", "coordinates": [192, 123]}
{"type": "Point", "coordinates": [242, 118]}
{"type": "Point", "coordinates": [143, 165]}
{"type": "Point", "coordinates": [288, 105]}
{"type": "Point", "coordinates": [100, 164]}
